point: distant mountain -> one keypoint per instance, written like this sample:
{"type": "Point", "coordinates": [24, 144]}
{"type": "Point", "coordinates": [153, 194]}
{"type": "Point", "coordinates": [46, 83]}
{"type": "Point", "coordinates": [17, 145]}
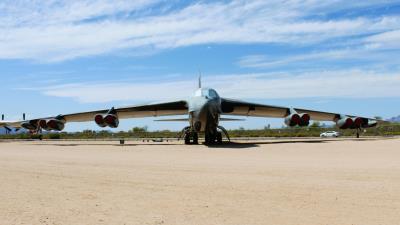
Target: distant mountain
{"type": "Point", "coordinates": [395, 119]}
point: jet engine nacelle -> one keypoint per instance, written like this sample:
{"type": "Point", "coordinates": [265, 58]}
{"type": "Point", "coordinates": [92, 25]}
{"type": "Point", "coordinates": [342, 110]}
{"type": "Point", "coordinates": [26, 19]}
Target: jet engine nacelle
{"type": "Point", "coordinates": [304, 120]}
{"type": "Point", "coordinates": [99, 120]}
{"type": "Point", "coordinates": [292, 120]}
{"type": "Point", "coordinates": [109, 120]}
{"type": "Point", "coordinates": [52, 124]}
{"type": "Point", "coordinates": [31, 125]}
{"type": "Point", "coordinates": [295, 119]}
{"type": "Point", "coordinates": [355, 123]}
{"type": "Point", "coordinates": [55, 124]}
{"type": "Point", "coordinates": [345, 123]}
{"type": "Point", "coordinates": [364, 122]}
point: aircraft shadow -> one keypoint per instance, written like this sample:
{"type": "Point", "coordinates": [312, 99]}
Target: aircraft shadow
{"type": "Point", "coordinates": [225, 144]}
{"type": "Point", "coordinates": [257, 143]}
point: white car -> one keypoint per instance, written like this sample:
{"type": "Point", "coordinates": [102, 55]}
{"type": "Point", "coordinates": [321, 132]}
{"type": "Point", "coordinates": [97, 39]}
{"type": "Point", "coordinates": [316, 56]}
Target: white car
{"type": "Point", "coordinates": [330, 134]}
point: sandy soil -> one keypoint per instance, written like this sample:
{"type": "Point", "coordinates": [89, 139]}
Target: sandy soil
{"type": "Point", "coordinates": [338, 182]}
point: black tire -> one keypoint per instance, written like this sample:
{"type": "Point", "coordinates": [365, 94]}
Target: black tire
{"type": "Point", "coordinates": [219, 138]}
{"type": "Point", "coordinates": [210, 139]}
{"type": "Point", "coordinates": [195, 138]}
{"type": "Point", "coordinates": [187, 139]}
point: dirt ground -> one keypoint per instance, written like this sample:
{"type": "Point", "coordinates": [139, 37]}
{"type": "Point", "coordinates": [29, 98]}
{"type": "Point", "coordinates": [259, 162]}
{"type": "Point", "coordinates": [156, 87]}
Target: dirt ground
{"type": "Point", "coordinates": [304, 182]}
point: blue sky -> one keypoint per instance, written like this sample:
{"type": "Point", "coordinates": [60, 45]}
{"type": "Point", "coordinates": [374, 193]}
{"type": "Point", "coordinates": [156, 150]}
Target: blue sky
{"type": "Point", "coordinates": [69, 56]}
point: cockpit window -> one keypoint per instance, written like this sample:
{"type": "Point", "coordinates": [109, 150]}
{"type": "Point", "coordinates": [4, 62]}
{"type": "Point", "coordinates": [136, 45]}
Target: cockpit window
{"type": "Point", "coordinates": [213, 94]}
{"type": "Point", "coordinates": [208, 93]}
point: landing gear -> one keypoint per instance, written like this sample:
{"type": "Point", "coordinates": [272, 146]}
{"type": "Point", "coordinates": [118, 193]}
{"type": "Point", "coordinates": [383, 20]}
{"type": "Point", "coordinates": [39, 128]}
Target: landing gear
{"type": "Point", "coordinates": [212, 136]}
{"type": "Point", "coordinates": [195, 136]}
{"type": "Point", "coordinates": [358, 133]}
{"type": "Point", "coordinates": [219, 137]}
{"type": "Point", "coordinates": [191, 138]}
{"type": "Point", "coordinates": [215, 138]}
{"type": "Point", "coordinates": [187, 139]}
{"type": "Point", "coordinates": [209, 138]}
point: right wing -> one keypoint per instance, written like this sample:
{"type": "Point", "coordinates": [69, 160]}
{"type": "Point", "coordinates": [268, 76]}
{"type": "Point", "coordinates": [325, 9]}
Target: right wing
{"type": "Point", "coordinates": [138, 111]}
{"type": "Point", "coordinates": [241, 108]}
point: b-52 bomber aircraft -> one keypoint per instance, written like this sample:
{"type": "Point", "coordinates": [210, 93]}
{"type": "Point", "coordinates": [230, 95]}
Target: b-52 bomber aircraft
{"type": "Point", "coordinates": [204, 109]}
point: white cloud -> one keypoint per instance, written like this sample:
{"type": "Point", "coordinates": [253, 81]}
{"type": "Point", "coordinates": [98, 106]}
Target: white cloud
{"type": "Point", "coordinates": [60, 30]}
{"type": "Point", "coordinates": [343, 84]}
{"type": "Point", "coordinates": [386, 40]}
{"type": "Point", "coordinates": [373, 55]}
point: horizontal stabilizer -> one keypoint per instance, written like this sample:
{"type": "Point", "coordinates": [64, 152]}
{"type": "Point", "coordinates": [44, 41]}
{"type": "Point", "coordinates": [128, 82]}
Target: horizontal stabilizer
{"type": "Point", "coordinates": [187, 119]}
{"type": "Point", "coordinates": [173, 120]}
{"type": "Point", "coordinates": [231, 119]}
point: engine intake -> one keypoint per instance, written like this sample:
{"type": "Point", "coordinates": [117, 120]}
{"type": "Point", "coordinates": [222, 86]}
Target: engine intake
{"type": "Point", "coordinates": [304, 120]}
{"type": "Point", "coordinates": [109, 120]}
{"type": "Point", "coordinates": [99, 119]}
{"type": "Point", "coordinates": [55, 124]}
{"type": "Point", "coordinates": [345, 123]}
{"type": "Point", "coordinates": [31, 125]}
{"type": "Point", "coordinates": [293, 120]}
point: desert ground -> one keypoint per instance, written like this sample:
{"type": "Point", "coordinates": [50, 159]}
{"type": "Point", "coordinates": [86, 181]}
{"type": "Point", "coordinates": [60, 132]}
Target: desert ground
{"type": "Point", "coordinates": [322, 182]}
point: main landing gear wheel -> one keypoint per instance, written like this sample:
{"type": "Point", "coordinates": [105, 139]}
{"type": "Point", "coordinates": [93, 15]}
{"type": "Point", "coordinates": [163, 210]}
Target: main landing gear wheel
{"type": "Point", "coordinates": [212, 139]}
{"type": "Point", "coordinates": [195, 138]}
{"type": "Point", "coordinates": [191, 138]}
{"type": "Point", "coordinates": [187, 139]}
{"type": "Point", "coordinates": [209, 139]}
{"type": "Point", "coordinates": [219, 138]}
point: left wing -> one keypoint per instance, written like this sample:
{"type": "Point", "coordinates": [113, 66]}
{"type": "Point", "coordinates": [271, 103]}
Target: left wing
{"type": "Point", "coordinates": [241, 108]}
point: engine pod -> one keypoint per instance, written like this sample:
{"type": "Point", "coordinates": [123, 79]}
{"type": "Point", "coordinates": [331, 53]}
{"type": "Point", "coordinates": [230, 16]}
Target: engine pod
{"type": "Point", "coordinates": [304, 120]}
{"type": "Point", "coordinates": [55, 124]}
{"type": "Point", "coordinates": [111, 120]}
{"type": "Point", "coordinates": [99, 120]}
{"type": "Point", "coordinates": [293, 120]}
{"type": "Point", "coordinates": [345, 123]}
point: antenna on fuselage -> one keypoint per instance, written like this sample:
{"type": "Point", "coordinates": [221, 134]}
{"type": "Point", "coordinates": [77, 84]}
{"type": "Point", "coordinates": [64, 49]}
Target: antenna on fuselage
{"type": "Point", "coordinates": [199, 79]}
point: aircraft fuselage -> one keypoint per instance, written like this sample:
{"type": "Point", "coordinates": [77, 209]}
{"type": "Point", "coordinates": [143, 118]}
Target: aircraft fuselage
{"type": "Point", "coordinates": [204, 111]}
